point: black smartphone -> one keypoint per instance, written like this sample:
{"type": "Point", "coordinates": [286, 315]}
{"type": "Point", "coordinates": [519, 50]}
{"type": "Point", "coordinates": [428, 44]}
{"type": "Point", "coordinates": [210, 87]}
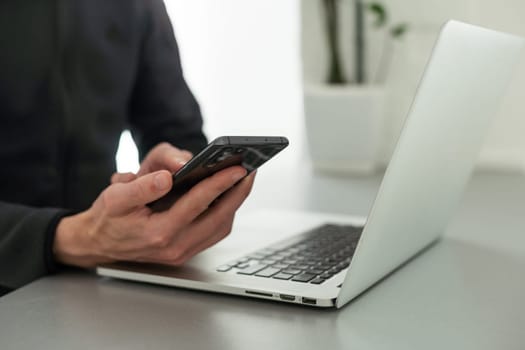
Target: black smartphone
{"type": "Point", "coordinates": [249, 152]}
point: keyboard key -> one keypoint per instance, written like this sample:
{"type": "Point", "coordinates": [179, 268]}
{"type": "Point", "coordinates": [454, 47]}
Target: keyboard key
{"type": "Point", "coordinates": [292, 271]}
{"type": "Point", "coordinates": [281, 266]}
{"type": "Point", "coordinates": [267, 272]}
{"type": "Point", "coordinates": [268, 261]}
{"type": "Point", "coordinates": [343, 265]}
{"type": "Point", "coordinates": [289, 261]}
{"type": "Point", "coordinates": [334, 270]}
{"type": "Point", "coordinates": [317, 280]}
{"type": "Point", "coordinates": [224, 268]}
{"type": "Point", "coordinates": [326, 275]}
{"type": "Point", "coordinates": [324, 267]}
{"type": "Point", "coordinates": [278, 256]}
{"type": "Point", "coordinates": [283, 276]}
{"type": "Point", "coordinates": [252, 269]}
{"type": "Point", "coordinates": [300, 267]}
{"type": "Point", "coordinates": [304, 277]}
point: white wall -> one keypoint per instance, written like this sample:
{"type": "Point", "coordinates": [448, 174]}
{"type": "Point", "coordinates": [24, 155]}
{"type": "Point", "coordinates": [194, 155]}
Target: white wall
{"type": "Point", "coordinates": [242, 60]}
{"type": "Point", "coordinates": [505, 145]}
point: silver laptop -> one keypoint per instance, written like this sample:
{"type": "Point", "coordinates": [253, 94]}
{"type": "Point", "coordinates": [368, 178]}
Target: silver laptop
{"type": "Point", "coordinates": [325, 261]}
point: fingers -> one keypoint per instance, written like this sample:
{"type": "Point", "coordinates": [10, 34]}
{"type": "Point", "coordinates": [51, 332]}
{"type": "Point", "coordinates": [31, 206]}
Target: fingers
{"type": "Point", "coordinates": [200, 197]}
{"type": "Point", "coordinates": [121, 198]}
{"type": "Point", "coordinates": [164, 157]}
{"type": "Point", "coordinates": [226, 205]}
{"type": "Point", "coordinates": [209, 228]}
{"type": "Point", "coordinates": [218, 219]}
{"type": "Point", "coordinates": [122, 177]}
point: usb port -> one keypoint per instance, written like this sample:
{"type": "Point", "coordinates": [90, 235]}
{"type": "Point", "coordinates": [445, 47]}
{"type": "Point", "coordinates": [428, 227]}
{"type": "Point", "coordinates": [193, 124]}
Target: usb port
{"type": "Point", "coordinates": [287, 297]}
{"type": "Point", "coordinates": [309, 301]}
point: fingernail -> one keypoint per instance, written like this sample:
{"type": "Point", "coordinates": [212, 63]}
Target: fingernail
{"type": "Point", "coordinates": [181, 161]}
{"type": "Point", "coordinates": [161, 182]}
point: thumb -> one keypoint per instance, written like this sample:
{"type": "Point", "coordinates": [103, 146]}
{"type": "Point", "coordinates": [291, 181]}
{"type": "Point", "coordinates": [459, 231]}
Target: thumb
{"type": "Point", "coordinates": [121, 198]}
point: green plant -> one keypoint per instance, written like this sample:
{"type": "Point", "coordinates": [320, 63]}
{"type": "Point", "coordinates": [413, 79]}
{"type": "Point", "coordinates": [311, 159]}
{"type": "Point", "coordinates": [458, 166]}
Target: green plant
{"type": "Point", "coordinates": [336, 73]}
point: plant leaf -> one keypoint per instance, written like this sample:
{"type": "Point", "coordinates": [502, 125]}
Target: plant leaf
{"type": "Point", "coordinates": [379, 12]}
{"type": "Point", "coordinates": [398, 30]}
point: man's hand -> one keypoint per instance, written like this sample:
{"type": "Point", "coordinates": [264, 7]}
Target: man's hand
{"type": "Point", "coordinates": [119, 225]}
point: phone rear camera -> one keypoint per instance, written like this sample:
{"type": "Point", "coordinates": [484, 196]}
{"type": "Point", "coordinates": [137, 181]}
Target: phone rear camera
{"type": "Point", "coordinates": [224, 155]}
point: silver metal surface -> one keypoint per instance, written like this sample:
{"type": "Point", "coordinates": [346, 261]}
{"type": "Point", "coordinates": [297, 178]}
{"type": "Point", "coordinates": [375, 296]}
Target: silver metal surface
{"type": "Point", "coordinates": [460, 92]}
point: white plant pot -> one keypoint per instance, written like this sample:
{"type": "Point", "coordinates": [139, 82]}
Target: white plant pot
{"type": "Point", "coordinates": [344, 127]}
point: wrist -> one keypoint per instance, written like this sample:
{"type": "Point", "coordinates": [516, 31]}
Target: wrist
{"type": "Point", "coordinates": [72, 244]}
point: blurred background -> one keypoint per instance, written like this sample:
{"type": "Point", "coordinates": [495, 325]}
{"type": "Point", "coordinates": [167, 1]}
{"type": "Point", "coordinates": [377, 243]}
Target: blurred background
{"type": "Point", "coordinates": [248, 62]}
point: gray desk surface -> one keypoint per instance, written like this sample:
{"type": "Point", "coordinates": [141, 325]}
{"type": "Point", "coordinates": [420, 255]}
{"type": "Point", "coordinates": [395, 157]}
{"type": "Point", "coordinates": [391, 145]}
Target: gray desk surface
{"type": "Point", "coordinates": [466, 292]}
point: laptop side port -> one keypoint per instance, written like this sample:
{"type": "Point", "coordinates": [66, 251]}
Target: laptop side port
{"type": "Point", "coordinates": [309, 301]}
{"type": "Point", "coordinates": [287, 297]}
{"type": "Point", "coordinates": [261, 294]}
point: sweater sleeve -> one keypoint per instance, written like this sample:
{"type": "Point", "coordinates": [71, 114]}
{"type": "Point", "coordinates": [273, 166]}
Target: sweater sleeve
{"type": "Point", "coordinates": [162, 107]}
{"type": "Point", "coordinates": [26, 243]}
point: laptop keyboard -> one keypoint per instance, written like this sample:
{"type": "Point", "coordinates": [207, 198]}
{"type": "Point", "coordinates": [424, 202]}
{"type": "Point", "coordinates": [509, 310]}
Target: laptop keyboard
{"type": "Point", "coordinates": [314, 257]}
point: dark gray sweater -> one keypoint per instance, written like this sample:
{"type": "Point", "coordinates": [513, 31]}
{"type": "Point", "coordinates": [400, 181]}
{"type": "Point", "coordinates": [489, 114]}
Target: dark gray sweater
{"type": "Point", "coordinates": [73, 75]}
